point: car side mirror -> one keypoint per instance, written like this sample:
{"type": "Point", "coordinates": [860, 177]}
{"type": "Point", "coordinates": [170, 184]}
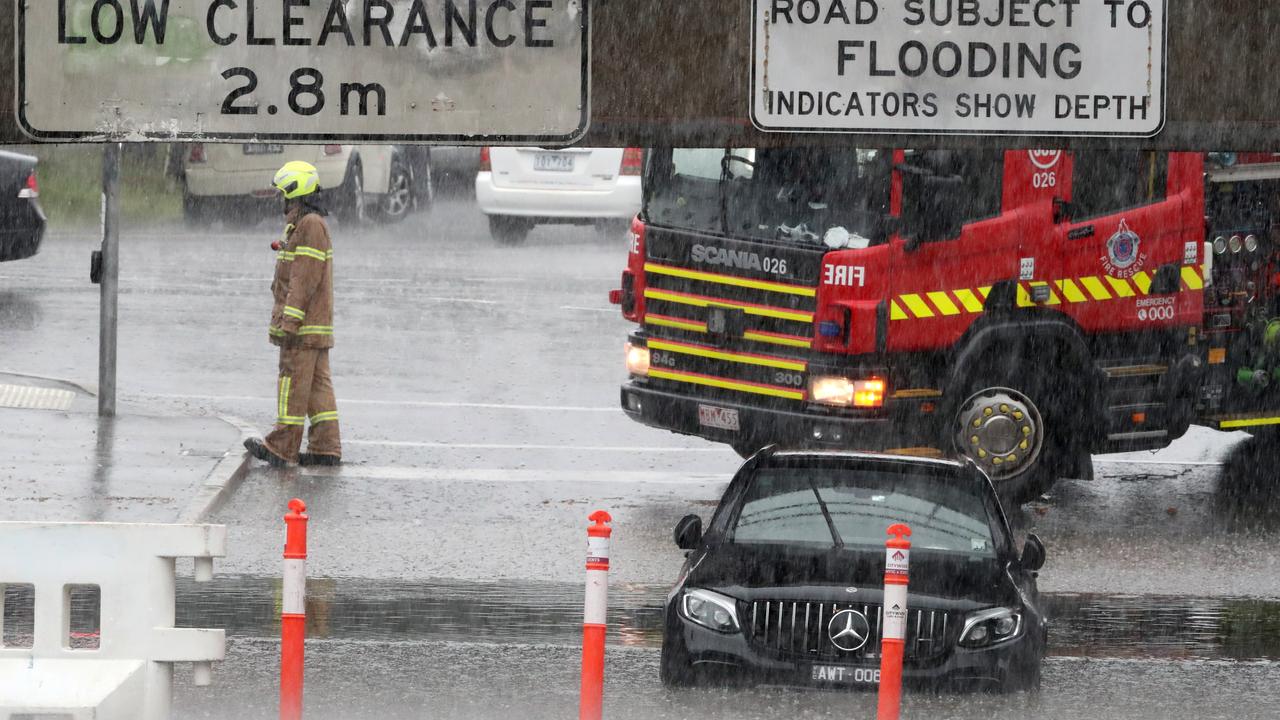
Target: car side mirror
{"type": "Point", "coordinates": [688, 532]}
{"type": "Point", "coordinates": [1033, 553]}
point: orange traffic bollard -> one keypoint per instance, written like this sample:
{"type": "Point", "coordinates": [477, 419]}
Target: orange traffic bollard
{"type": "Point", "coordinates": [293, 617]}
{"type": "Point", "coordinates": [897, 555]}
{"type": "Point", "coordinates": [593, 617]}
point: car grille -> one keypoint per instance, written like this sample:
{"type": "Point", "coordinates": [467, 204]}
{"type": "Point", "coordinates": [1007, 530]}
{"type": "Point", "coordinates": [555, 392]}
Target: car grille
{"type": "Point", "coordinates": [789, 629]}
{"type": "Point", "coordinates": [770, 328]}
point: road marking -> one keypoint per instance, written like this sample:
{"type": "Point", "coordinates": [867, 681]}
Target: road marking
{"type": "Point", "coordinates": [471, 301]}
{"type": "Point", "coordinates": [406, 403]}
{"type": "Point", "coordinates": [589, 309]}
{"type": "Point", "coordinates": [505, 475]}
{"type": "Point", "coordinates": [527, 446]}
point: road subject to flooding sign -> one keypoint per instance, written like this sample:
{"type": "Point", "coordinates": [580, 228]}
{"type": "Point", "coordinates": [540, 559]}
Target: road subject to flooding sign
{"type": "Point", "coordinates": [1053, 67]}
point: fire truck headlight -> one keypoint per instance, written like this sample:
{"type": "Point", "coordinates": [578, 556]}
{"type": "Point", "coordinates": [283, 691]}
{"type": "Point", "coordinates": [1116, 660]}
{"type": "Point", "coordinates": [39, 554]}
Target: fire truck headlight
{"type": "Point", "coordinates": [844, 392]}
{"type": "Point", "coordinates": [1251, 243]}
{"type": "Point", "coordinates": [1219, 245]}
{"type": "Point", "coordinates": [637, 359]}
{"type": "Point", "coordinates": [1235, 243]}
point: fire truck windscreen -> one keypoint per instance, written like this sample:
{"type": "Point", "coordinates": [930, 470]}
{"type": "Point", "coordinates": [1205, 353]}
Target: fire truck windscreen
{"type": "Point", "coordinates": [809, 196]}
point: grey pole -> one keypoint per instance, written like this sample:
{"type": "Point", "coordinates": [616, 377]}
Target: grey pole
{"type": "Point", "coordinates": [108, 317]}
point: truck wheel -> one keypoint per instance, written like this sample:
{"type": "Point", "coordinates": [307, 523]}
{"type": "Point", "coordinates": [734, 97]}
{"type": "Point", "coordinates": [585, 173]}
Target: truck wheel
{"type": "Point", "coordinates": [509, 230]}
{"type": "Point", "coordinates": [1004, 427]}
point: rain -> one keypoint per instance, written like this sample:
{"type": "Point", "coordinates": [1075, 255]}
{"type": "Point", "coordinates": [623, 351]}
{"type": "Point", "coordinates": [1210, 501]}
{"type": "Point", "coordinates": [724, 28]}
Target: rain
{"type": "Point", "coordinates": [983, 397]}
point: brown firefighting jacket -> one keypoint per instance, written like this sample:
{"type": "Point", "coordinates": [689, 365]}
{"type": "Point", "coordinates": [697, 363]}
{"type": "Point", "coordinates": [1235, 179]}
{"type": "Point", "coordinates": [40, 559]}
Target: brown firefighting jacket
{"type": "Point", "coordinates": [302, 288]}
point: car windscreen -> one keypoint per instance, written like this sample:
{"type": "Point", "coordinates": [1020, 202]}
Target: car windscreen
{"type": "Point", "coordinates": [804, 196]}
{"type": "Point", "coordinates": [828, 506]}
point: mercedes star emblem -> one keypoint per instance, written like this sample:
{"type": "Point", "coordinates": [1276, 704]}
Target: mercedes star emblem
{"type": "Point", "coordinates": [848, 630]}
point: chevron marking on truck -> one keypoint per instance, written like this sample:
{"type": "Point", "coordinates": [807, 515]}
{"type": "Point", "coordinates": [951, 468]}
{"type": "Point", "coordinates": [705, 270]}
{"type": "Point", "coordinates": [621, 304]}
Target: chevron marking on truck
{"type": "Point", "coordinates": [920, 306]}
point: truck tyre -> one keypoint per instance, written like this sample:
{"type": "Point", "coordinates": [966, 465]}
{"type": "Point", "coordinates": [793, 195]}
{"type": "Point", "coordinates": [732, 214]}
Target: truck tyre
{"type": "Point", "coordinates": [1010, 428]}
{"type": "Point", "coordinates": [509, 230]}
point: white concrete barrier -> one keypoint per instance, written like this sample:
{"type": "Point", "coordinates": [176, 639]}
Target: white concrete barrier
{"type": "Point", "coordinates": [130, 673]}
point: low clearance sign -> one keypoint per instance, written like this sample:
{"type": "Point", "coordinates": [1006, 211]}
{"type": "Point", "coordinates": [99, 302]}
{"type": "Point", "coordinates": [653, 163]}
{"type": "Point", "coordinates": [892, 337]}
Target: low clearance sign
{"type": "Point", "coordinates": [304, 70]}
{"type": "Point", "coordinates": [1026, 67]}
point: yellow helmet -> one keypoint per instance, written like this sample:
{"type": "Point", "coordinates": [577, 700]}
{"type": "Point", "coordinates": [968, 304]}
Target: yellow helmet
{"type": "Point", "coordinates": [297, 179]}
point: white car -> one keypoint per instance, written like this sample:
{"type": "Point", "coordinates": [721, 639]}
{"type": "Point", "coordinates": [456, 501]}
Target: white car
{"type": "Point", "coordinates": [520, 187]}
{"type": "Point", "coordinates": [385, 182]}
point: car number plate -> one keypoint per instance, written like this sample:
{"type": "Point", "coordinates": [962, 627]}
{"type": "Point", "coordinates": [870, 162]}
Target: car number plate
{"type": "Point", "coordinates": [556, 162]}
{"type": "Point", "coordinates": [718, 417]}
{"type": "Point", "coordinates": [845, 675]}
{"type": "Point", "coordinates": [263, 148]}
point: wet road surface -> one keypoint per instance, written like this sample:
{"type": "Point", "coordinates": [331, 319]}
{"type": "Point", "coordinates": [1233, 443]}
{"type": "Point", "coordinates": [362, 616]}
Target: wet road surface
{"type": "Point", "coordinates": [477, 386]}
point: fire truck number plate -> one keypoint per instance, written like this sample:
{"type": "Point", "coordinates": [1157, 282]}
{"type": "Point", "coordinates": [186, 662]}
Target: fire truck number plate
{"type": "Point", "coordinates": [718, 417]}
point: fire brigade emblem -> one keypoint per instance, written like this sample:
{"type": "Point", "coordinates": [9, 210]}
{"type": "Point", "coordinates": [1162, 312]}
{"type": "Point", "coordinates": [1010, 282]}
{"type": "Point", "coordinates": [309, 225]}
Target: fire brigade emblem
{"type": "Point", "coordinates": [1124, 257]}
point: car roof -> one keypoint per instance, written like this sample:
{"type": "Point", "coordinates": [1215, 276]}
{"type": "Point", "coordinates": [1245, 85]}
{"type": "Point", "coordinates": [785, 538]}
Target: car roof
{"type": "Point", "coordinates": [873, 457]}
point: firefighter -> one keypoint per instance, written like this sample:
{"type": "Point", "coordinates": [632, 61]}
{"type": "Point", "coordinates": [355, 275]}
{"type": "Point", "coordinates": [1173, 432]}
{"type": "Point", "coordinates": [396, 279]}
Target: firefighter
{"type": "Point", "coordinates": [302, 327]}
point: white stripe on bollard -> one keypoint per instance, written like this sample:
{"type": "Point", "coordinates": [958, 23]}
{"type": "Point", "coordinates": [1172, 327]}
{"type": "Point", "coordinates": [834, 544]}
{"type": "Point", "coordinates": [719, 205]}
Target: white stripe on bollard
{"type": "Point", "coordinates": [294, 595]}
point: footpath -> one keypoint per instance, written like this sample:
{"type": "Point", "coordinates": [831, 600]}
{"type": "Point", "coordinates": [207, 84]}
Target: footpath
{"type": "Point", "coordinates": [59, 461]}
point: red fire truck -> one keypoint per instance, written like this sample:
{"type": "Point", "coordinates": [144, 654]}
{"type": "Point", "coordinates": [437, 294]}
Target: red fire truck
{"type": "Point", "coordinates": [1022, 308]}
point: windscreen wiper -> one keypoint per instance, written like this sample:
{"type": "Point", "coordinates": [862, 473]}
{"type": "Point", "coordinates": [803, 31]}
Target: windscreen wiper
{"type": "Point", "coordinates": [826, 514]}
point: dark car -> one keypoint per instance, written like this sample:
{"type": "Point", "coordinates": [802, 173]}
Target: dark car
{"type": "Point", "coordinates": [785, 585]}
{"type": "Point", "coordinates": [21, 217]}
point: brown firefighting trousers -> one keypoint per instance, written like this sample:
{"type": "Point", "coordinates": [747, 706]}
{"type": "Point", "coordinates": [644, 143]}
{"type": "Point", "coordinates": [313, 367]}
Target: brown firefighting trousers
{"type": "Point", "coordinates": [305, 393]}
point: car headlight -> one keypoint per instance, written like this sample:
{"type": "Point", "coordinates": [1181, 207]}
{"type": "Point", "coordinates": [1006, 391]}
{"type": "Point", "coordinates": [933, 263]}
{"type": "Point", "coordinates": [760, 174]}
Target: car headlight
{"type": "Point", "coordinates": [844, 392]}
{"type": "Point", "coordinates": [710, 610]}
{"type": "Point", "coordinates": [637, 359]}
{"type": "Point", "coordinates": [985, 628]}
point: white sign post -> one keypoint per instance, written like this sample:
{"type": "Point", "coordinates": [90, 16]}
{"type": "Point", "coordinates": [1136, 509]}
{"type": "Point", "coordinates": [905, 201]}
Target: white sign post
{"type": "Point", "coordinates": [456, 71]}
{"type": "Point", "coordinates": [991, 67]}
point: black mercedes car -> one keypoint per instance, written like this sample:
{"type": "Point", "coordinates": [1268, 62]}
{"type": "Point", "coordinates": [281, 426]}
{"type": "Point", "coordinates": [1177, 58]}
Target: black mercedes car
{"type": "Point", "coordinates": [785, 585]}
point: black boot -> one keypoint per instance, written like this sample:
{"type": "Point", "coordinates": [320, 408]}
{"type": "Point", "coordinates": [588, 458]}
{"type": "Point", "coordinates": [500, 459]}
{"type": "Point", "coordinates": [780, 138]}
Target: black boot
{"type": "Point", "coordinates": [259, 450]}
{"type": "Point", "coordinates": [309, 458]}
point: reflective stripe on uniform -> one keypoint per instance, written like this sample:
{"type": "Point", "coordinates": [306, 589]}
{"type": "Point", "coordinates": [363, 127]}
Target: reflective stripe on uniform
{"type": "Point", "coordinates": [315, 330]}
{"type": "Point", "coordinates": [331, 416]}
{"type": "Point", "coordinates": [284, 255]}
{"type": "Point", "coordinates": [282, 406]}
{"type": "Point", "coordinates": [304, 251]}
{"type": "Point", "coordinates": [294, 312]}
{"type": "Point", "coordinates": [274, 331]}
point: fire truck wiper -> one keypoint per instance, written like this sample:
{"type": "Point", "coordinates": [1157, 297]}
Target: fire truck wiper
{"type": "Point", "coordinates": [826, 514]}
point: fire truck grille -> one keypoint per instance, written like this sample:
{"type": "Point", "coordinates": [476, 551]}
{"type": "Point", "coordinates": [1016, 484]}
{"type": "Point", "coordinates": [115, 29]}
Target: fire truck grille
{"type": "Point", "coordinates": [798, 630]}
{"type": "Point", "coordinates": [725, 329]}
